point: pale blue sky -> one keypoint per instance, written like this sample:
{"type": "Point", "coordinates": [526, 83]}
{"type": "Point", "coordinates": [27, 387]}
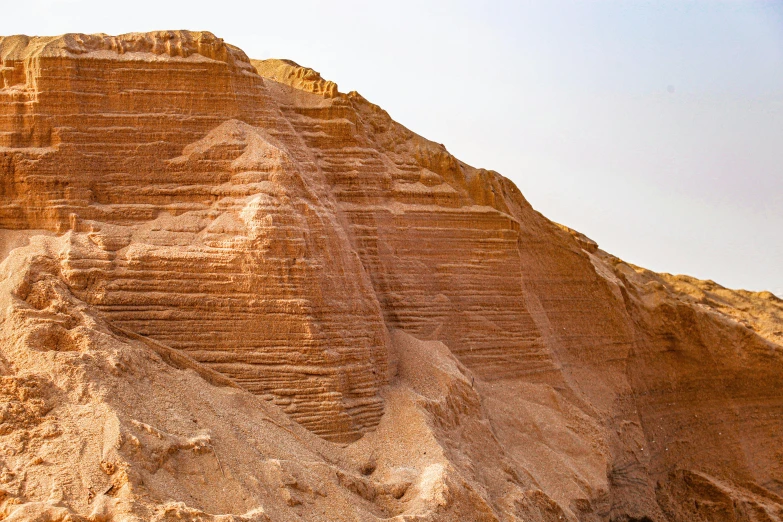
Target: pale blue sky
{"type": "Point", "coordinates": [656, 128]}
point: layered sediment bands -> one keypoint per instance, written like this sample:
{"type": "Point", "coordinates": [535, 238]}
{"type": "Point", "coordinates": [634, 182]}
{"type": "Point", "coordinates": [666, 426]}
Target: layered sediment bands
{"type": "Point", "coordinates": [291, 73]}
{"type": "Point", "coordinates": [198, 247]}
{"type": "Point", "coordinates": [433, 233]}
{"type": "Point", "coordinates": [83, 115]}
{"type": "Point", "coordinates": [708, 391]}
{"type": "Point", "coordinates": [196, 216]}
{"type": "Point", "coordinates": [457, 254]}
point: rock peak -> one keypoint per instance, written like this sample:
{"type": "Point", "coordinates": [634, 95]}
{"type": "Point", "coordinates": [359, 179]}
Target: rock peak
{"type": "Point", "coordinates": [151, 45]}
{"type": "Point", "coordinates": [231, 296]}
{"type": "Point", "coordinates": [294, 75]}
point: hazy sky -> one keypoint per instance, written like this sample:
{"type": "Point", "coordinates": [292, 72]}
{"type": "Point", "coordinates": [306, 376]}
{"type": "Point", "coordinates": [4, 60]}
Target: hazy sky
{"type": "Point", "coordinates": [656, 128]}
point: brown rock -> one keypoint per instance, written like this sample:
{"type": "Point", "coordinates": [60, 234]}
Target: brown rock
{"type": "Point", "coordinates": [199, 248]}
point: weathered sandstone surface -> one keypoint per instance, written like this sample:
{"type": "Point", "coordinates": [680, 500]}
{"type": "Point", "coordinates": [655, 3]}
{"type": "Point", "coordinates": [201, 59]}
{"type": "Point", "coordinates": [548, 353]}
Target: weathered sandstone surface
{"type": "Point", "coordinates": [231, 292]}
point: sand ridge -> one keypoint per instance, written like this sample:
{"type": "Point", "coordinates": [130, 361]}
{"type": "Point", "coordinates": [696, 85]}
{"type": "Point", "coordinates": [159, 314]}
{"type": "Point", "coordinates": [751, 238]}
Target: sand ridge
{"type": "Point", "coordinates": [231, 292]}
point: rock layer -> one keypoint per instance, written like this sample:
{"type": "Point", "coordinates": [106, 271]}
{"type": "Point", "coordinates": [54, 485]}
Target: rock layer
{"type": "Point", "coordinates": [229, 248]}
{"type": "Point", "coordinates": [199, 246]}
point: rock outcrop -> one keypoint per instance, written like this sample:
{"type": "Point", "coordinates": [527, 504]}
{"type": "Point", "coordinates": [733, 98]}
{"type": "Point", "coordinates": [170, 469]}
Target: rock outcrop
{"type": "Point", "coordinates": [231, 292]}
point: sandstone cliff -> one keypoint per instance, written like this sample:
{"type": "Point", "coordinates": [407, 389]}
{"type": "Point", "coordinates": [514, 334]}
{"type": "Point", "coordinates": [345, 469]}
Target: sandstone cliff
{"type": "Point", "coordinates": [231, 292]}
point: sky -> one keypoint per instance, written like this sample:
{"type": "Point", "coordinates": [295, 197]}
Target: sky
{"type": "Point", "coordinates": [653, 127]}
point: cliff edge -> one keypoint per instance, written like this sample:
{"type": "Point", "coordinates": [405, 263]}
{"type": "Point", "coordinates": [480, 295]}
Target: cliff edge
{"type": "Point", "coordinates": [229, 291]}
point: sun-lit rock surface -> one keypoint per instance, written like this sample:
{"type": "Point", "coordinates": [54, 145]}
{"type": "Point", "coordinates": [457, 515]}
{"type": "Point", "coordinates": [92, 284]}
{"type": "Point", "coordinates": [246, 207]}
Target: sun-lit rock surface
{"type": "Point", "coordinates": [196, 215]}
{"type": "Point", "coordinates": [231, 292]}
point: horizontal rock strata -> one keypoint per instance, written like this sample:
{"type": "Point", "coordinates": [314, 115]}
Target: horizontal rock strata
{"type": "Point", "coordinates": [199, 247]}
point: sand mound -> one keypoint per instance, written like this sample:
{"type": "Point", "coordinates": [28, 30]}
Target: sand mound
{"type": "Point", "coordinates": [229, 292]}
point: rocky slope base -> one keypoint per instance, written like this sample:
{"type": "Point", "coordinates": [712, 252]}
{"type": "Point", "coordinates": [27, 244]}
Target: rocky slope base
{"type": "Point", "coordinates": [231, 292]}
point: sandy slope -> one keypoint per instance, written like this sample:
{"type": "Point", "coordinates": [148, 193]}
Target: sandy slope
{"type": "Point", "coordinates": [238, 296]}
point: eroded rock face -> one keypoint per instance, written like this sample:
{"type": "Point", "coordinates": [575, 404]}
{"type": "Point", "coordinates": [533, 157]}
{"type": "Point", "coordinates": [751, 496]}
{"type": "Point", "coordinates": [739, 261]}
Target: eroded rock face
{"type": "Point", "coordinates": [197, 215]}
{"type": "Point", "coordinates": [197, 244]}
